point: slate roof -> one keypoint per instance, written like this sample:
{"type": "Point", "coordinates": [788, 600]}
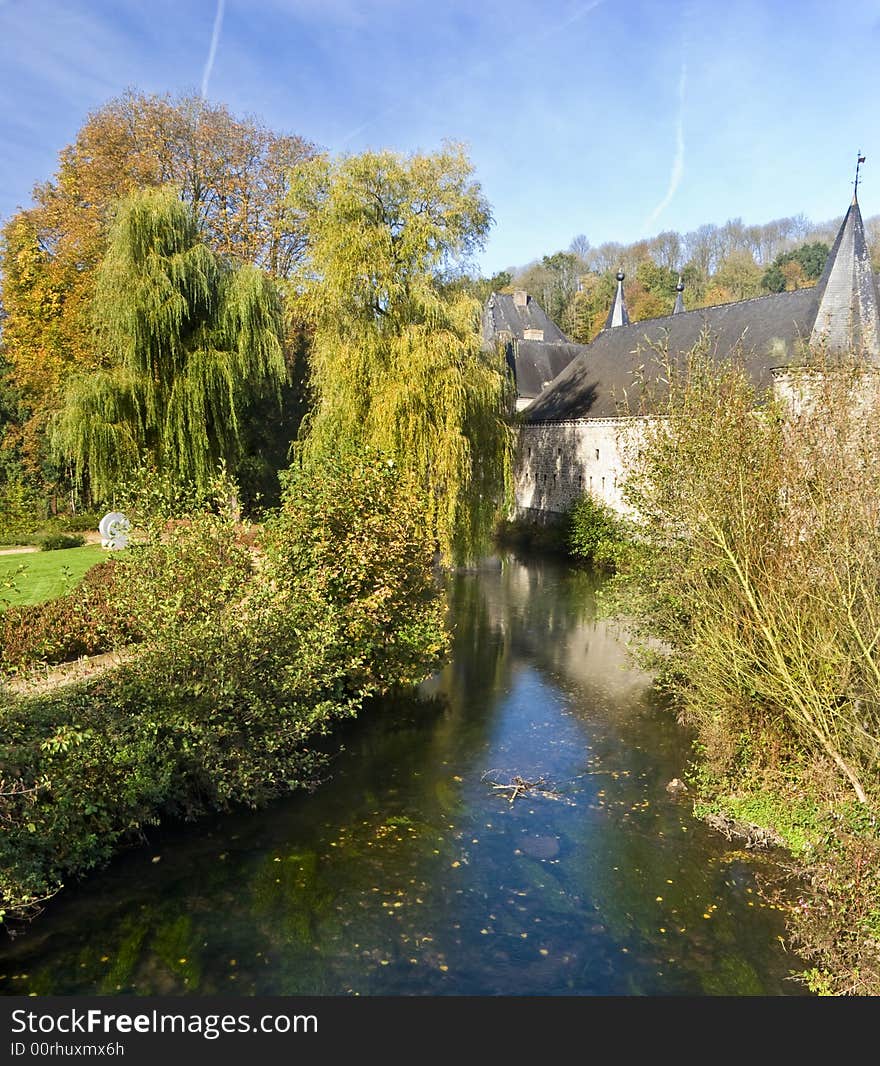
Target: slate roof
{"type": "Point", "coordinates": [536, 363]}
{"type": "Point", "coordinates": [608, 376]}
{"type": "Point", "coordinates": [609, 372]}
{"type": "Point", "coordinates": [848, 316]}
{"type": "Point", "coordinates": [500, 314]}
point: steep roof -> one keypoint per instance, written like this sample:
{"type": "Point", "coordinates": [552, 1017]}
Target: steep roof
{"type": "Point", "coordinates": [502, 315]}
{"type": "Point", "coordinates": [618, 315]}
{"type": "Point", "coordinates": [536, 363]}
{"type": "Point", "coordinates": [848, 316]}
{"type": "Point", "coordinates": [612, 370]}
{"type": "Point", "coordinates": [841, 313]}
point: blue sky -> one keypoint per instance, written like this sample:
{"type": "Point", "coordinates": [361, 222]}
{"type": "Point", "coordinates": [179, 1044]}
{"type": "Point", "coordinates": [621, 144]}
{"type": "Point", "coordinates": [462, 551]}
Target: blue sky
{"type": "Point", "coordinates": [613, 119]}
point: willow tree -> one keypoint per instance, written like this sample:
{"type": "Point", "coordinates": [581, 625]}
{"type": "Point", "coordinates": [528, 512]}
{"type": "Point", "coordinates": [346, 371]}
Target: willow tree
{"type": "Point", "coordinates": [187, 338]}
{"type": "Point", "coordinates": [396, 359]}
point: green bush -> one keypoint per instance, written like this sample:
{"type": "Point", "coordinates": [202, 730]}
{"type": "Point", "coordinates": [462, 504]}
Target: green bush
{"type": "Point", "coordinates": [597, 534]}
{"type": "Point", "coordinates": [58, 541]}
{"type": "Point", "coordinates": [248, 656]}
{"type": "Point", "coordinates": [22, 510]}
{"type": "Point", "coordinates": [85, 522]}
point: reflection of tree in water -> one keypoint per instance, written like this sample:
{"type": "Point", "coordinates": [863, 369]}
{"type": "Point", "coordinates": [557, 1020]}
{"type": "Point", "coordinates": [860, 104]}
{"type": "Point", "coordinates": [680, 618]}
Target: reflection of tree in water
{"type": "Point", "coordinates": [402, 870]}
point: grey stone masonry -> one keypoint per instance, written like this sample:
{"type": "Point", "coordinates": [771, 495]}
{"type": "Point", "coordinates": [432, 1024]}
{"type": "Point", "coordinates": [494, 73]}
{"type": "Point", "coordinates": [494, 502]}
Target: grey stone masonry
{"type": "Point", "coordinates": [558, 462]}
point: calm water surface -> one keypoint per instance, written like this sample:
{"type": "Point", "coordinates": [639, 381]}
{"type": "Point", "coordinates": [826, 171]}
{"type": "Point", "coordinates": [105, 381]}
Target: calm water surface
{"type": "Point", "coordinates": [407, 873]}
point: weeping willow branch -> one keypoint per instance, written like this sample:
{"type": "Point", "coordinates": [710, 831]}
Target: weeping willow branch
{"type": "Point", "coordinates": [187, 339]}
{"type": "Point", "coordinates": [396, 365]}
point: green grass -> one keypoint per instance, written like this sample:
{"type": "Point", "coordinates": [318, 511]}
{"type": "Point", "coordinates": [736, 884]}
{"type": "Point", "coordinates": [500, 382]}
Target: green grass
{"type": "Point", "coordinates": [45, 575]}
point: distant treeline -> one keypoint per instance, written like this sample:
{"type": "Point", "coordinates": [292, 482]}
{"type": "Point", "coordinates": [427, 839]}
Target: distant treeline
{"type": "Point", "coordinates": [718, 264]}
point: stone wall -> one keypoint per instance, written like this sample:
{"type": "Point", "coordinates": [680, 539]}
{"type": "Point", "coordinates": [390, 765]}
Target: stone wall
{"type": "Point", "coordinates": [557, 462]}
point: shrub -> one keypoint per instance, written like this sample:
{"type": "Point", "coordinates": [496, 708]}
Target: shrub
{"type": "Point", "coordinates": [596, 533]}
{"type": "Point", "coordinates": [247, 658]}
{"type": "Point", "coordinates": [57, 541]}
{"type": "Point", "coordinates": [84, 522]}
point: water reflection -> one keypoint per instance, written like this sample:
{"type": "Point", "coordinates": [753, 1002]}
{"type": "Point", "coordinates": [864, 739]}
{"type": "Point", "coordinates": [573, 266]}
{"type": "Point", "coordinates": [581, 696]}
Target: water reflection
{"type": "Point", "coordinates": [406, 873]}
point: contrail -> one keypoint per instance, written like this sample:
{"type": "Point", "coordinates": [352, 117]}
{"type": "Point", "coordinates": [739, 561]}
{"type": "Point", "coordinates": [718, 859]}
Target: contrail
{"type": "Point", "coordinates": [446, 84]}
{"type": "Point", "coordinates": [677, 163]}
{"type": "Point", "coordinates": [212, 51]}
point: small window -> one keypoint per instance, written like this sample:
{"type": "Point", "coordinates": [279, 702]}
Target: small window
{"type": "Point", "coordinates": [597, 453]}
{"type": "Point", "coordinates": [603, 484]}
{"type": "Point", "coordinates": [558, 453]}
{"type": "Point", "coordinates": [530, 453]}
{"type": "Point", "coordinates": [580, 479]}
{"type": "Point", "coordinates": [591, 482]}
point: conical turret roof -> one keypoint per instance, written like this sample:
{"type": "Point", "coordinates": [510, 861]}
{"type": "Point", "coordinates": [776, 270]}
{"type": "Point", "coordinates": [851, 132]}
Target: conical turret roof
{"type": "Point", "coordinates": [848, 317]}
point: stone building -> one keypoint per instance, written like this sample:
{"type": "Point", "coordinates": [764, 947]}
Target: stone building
{"type": "Point", "coordinates": [575, 425]}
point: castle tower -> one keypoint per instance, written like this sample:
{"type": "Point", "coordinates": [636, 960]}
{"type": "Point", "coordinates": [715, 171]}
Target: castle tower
{"type": "Point", "coordinates": [618, 315]}
{"type": "Point", "coordinates": [848, 318]}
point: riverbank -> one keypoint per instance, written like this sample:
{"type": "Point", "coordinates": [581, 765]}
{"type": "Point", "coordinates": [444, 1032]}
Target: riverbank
{"type": "Point", "coordinates": [406, 873]}
{"type": "Point", "coordinates": [240, 669]}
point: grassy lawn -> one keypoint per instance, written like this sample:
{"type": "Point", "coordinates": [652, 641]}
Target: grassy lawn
{"type": "Point", "coordinates": [45, 575]}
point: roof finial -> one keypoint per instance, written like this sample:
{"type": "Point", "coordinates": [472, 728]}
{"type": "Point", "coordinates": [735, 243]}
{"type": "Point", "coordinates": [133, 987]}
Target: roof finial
{"type": "Point", "coordinates": [618, 315]}
{"type": "Point", "coordinates": [859, 160]}
{"type": "Point", "coordinates": [679, 299]}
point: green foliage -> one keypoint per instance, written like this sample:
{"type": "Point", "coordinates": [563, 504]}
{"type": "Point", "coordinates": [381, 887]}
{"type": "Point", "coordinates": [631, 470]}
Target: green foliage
{"type": "Point", "coordinates": [246, 658]}
{"type": "Point", "coordinates": [598, 534]}
{"type": "Point", "coordinates": [188, 337]}
{"type": "Point", "coordinates": [396, 362]}
{"type": "Point", "coordinates": [22, 509]}
{"type": "Point", "coordinates": [57, 541]}
{"type": "Point", "coordinates": [810, 258]}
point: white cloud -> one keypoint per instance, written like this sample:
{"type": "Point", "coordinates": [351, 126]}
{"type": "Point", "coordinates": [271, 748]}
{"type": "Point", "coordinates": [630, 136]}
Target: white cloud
{"type": "Point", "coordinates": [212, 51]}
{"type": "Point", "coordinates": [677, 172]}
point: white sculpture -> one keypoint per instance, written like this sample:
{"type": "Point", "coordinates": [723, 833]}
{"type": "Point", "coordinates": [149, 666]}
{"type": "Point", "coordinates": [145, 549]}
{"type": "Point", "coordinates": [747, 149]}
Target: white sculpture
{"type": "Point", "coordinates": [114, 528]}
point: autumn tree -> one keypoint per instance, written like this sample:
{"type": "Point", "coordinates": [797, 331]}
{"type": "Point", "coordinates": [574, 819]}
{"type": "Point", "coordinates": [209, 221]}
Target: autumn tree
{"type": "Point", "coordinates": [796, 269]}
{"type": "Point", "coordinates": [739, 275]}
{"type": "Point", "coordinates": [396, 360]}
{"type": "Point", "coordinates": [186, 336]}
{"type": "Point", "coordinates": [234, 175]}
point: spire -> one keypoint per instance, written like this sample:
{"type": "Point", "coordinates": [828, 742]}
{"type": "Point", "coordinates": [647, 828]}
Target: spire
{"type": "Point", "coordinates": [679, 299]}
{"type": "Point", "coordinates": [618, 316]}
{"type": "Point", "coordinates": [848, 318]}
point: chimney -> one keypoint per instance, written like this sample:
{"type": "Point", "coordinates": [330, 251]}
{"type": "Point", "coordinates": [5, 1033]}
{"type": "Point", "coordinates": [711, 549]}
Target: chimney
{"type": "Point", "coordinates": [520, 298]}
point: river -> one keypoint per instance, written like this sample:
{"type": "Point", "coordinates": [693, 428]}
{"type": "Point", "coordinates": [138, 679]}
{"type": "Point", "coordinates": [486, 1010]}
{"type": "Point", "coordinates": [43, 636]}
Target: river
{"type": "Point", "coordinates": [407, 872]}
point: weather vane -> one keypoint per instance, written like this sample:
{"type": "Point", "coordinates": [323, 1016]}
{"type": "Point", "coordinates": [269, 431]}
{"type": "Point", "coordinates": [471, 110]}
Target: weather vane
{"type": "Point", "coordinates": [859, 160]}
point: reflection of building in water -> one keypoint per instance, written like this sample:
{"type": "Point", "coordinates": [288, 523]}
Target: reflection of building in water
{"type": "Point", "coordinates": [548, 619]}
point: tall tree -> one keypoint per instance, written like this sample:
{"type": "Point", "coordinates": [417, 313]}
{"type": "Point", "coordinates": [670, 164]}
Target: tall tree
{"type": "Point", "coordinates": [187, 337]}
{"type": "Point", "coordinates": [233, 173]}
{"type": "Point", "coordinates": [396, 362]}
